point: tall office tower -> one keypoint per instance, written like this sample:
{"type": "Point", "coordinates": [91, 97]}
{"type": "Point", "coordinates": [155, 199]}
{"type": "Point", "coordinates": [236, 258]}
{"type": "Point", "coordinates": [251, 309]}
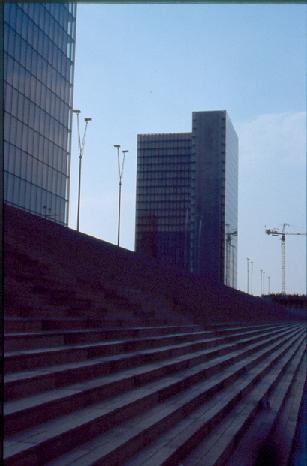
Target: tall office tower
{"type": "Point", "coordinates": [187, 197]}
{"type": "Point", "coordinates": [39, 49]}
{"type": "Point", "coordinates": [163, 196]}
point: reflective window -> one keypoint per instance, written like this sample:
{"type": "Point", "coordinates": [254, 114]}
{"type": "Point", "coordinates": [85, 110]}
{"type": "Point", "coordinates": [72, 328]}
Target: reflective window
{"type": "Point", "coordinates": [187, 191]}
{"type": "Point", "coordinates": [37, 103]}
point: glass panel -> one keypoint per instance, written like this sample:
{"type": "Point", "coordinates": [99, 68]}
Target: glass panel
{"type": "Point", "coordinates": [24, 138]}
{"type": "Point", "coordinates": [28, 196]}
{"type": "Point", "coordinates": [29, 168]}
{"type": "Point", "coordinates": [11, 159]}
{"type": "Point", "coordinates": [38, 207]}
{"type": "Point", "coordinates": [10, 187]}
{"type": "Point", "coordinates": [31, 95]}
{"type": "Point", "coordinates": [22, 188]}
{"type": "Point", "coordinates": [33, 198]}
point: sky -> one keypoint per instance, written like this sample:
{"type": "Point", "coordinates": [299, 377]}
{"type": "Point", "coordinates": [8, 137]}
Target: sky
{"type": "Point", "coordinates": [146, 68]}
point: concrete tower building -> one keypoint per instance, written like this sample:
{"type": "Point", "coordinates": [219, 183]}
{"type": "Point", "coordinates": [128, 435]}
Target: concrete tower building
{"type": "Point", "coordinates": [39, 49]}
{"type": "Point", "coordinates": [187, 197]}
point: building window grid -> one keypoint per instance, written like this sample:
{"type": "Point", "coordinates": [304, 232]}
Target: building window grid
{"type": "Point", "coordinates": [36, 95]}
{"type": "Point", "coordinates": [25, 145]}
{"type": "Point", "coordinates": [21, 192]}
{"type": "Point", "coordinates": [18, 45]}
{"type": "Point", "coordinates": [38, 118]}
{"type": "Point", "coordinates": [56, 29]}
{"type": "Point", "coordinates": [26, 163]}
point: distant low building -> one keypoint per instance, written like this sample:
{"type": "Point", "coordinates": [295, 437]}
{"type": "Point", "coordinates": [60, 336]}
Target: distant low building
{"type": "Point", "coordinates": [187, 197]}
{"type": "Point", "coordinates": [294, 301]}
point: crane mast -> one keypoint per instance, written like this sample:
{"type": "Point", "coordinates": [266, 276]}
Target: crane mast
{"type": "Point", "coordinates": [283, 259]}
{"type": "Point", "coordinates": [282, 233]}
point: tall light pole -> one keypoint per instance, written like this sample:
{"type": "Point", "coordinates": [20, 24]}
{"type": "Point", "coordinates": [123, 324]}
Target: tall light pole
{"type": "Point", "coordinates": [121, 164]}
{"type": "Point", "coordinates": [251, 280]}
{"type": "Point", "coordinates": [81, 150]}
{"type": "Point", "coordinates": [261, 282]}
{"type": "Point", "coordinates": [247, 259]}
{"type": "Point", "coordinates": [269, 284]}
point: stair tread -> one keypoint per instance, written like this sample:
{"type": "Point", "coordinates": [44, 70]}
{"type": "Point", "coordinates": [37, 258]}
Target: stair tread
{"type": "Point", "coordinates": [98, 330]}
{"type": "Point", "coordinates": [245, 453]}
{"type": "Point", "coordinates": [116, 438]}
{"type": "Point", "coordinates": [107, 343]}
{"type": "Point", "coordinates": [285, 428]}
{"type": "Point", "coordinates": [156, 452]}
{"type": "Point", "coordinates": [56, 427]}
{"type": "Point", "coordinates": [91, 362]}
{"type": "Point", "coordinates": [15, 406]}
{"type": "Point", "coordinates": [115, 341]}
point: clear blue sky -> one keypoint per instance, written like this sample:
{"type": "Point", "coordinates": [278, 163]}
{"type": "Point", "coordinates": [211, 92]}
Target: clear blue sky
{"type": "Point", "coordinates": [146, 68]}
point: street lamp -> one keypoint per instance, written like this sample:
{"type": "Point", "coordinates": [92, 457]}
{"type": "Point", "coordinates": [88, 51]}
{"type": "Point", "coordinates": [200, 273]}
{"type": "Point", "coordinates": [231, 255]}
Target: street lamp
{"type": "Point", "coordinates": [251, 279]}
{"type": "Point", "coordinates": [261, 282]}
{"type": "Point", "coordinates": [247, 259]}
{"type": "Point", "coordinates": [121, 164]}
{"type": "Point", "coordinates": [81, 150]}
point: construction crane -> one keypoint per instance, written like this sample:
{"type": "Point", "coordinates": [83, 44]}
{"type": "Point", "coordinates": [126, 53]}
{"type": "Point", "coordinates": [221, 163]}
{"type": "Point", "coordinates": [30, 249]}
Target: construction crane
{"type": "Point", "coordinates": [282, 233]}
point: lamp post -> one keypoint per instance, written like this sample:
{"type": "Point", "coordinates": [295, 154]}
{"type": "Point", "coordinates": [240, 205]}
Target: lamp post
{"type": "Point", "coordinates": [261, 287]}
{"type": "Point", "coordinates": [251, 280]}
{"type": "Point", "coordinates": [247, 259]}
{"type": "Point", "coordinates": [121, 164]}
{"type": "Point", "coordinates": [269, 284]}
{"type": "Point", "coordinates": [81, 150]}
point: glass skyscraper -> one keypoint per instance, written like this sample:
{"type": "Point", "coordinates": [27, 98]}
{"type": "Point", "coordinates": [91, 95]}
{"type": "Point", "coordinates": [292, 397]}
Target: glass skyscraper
{"type": "Point", "coordinates": [39, 49]}
{"type": "Point", "coordinates": [163, 196]}
{"type": "Point", "coordinates": [187, 197]}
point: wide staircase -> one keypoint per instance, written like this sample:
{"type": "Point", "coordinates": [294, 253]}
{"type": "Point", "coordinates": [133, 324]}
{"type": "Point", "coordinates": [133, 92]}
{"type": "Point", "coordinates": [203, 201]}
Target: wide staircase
{"type": "Point", "coordinates": [92, 391]}
{"type": "Point", "coordinates": [110, 360]}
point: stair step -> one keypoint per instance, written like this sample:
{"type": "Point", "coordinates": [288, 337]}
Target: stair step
{"type": "Point", "coordinates": [283, 433]}
{"type": "Point", "coordinates": [115, 447]}
{"type": "Point", "coordinates": [55, 350]}
{"type": "Point", "coordinates": [26, 382]}
{"type": "Point", "coordinates": [19, 341]}
{"type": "Point", "coordinates": [34, 358]}
{"type": "Point", "coordinates": [86, 423]}
{"type": "Point", "coordinates": [36, 409]}
{"type": "Point", "coordinates": [64, 317]}
{"type": "Point", "coordinates": [248, 445]}
{"type": "Point", "coordinates": [50, 338]}
{"type": "Point", "coordinates": [22, 325]}
{"type": "Point", "coordinates": [210, 420]}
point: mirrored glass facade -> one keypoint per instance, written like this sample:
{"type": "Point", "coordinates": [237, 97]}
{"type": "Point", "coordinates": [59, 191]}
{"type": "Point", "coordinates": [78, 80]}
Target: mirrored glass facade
{"type": "Point", "coordinates": [163, 196]}
{"type": "Point", "coordinates": [187, 197]}
{"type": "Point", "coordinates": [39, 49]}
{"type": "Point", "coordinates": [231, 204]}
{"type": "Point", "coordinates": [215, 187]}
